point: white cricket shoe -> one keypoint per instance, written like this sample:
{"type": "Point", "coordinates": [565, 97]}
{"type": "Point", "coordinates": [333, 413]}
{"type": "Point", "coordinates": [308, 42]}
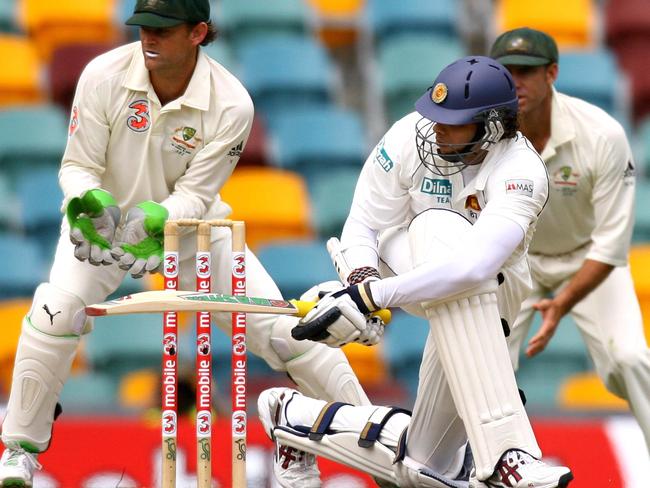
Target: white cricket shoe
{"type": "Point", "coordinates": [292, 467]}
{"type": "Point", "coordinates": [17, 468]}
{"type": "Point", "coordinates": [518, 469]}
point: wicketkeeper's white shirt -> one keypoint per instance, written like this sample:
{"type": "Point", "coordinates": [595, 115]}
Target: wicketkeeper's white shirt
{"type": "Point", "coordinates": [180, 155]}
{"type": "Point", "coordinates": [591, 172]}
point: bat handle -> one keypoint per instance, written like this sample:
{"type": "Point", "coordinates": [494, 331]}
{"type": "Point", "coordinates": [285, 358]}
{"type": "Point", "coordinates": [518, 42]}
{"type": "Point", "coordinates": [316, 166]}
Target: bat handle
{"type": "Point", "coordinates": [305, 306]}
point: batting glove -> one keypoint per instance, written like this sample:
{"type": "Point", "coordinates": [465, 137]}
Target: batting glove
{"type": "Point", "coordinates": [139, 249]}
{"type": "Point", "coordinates": [342, 317]}
{"type": "Point", "coordinates": [93, 218]}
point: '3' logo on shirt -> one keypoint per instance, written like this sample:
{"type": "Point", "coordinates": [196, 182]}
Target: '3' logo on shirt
{"type": "Point", "coordinates": [139, 121]}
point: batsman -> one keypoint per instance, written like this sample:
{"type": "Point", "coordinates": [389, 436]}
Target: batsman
{"type": "Point", "coordinates": [440, 223]}
{"type": "Point", "coordinates": [156, 129]}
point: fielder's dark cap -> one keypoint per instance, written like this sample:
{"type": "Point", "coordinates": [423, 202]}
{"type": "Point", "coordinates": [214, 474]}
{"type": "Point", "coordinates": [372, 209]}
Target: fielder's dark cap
{"type": "Point", "coordinates": [524, 47]}
{"type": "Point", "coordinates": [168, 13]}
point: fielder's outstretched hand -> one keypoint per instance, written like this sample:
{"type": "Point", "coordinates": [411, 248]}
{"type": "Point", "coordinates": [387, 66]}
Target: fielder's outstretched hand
{"type": "Point", "coordinates": [341, 317]}
{"type": "Point", "coordinates": [139, 249]}
{"type": "Point", "coordinates": [93, 218]}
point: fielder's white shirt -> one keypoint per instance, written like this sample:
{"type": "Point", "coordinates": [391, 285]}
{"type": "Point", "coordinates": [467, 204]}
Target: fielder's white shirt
{"type": "Point", "coordinates": [591, 172]}
{"type": "Point", "coordinates": [394, 186]}
{"type": "Point", "coordinates": [179, 155]}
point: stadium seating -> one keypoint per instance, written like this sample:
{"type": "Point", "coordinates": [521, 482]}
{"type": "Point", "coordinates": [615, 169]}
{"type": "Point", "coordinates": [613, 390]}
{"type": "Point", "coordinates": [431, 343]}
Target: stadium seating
{"type": "Point", "coordinates": [123, 343]}
{"type": "Point", "coordinates": [9, 210]}
{"type": "Point", "coordinates": [571, 23]}
{"type": "Point", "coordinates": [54, 24]}
{"type": "Point", "coordinates": [331, 197]}
{"type": "Point", "coordinates": [604, 84]}
{"type": "Point", "coordinates": [641, 232]}
{"type": "Point", "coordinates": [314, 141]}
{"type": "Point", "coordinates": [273, 203]}
{"type": "Point", "coordinates": [222, 52]}
{"type": "Point", "coordinates": [541, 376]}
{"type": "Point", "coordinates": [404, 339]}
{"type": "Point", "coordinates": [407, 68]}
{"type": "Point", "coordinates": [255, 152]}
{"type": "Point", "coordinates": [388, 18]}
{"type": "Point", "coordinates": [258, 19]}
{"type": "Point", "coordinates": [337, 21]}
{"type": "Point", "coordinates": [8, 21]}
{"type": "Point", "coordinates": [68, 61]}
{"type": "Point", "coordinates": [624, 20]}
{"type": "Point", "coordinates": [40, 199]}
{"type": "Point", "coordinates": [297, 266]}
{"type": "Point", "coordinates": [90, 391]}
{"type": "Point", "coordinates": [20, 84]}
{"type": "Point", "coordinates": [629, 55]}
{"type": "Point", "coordinates": [639, 266]}
{"type": "Point", "coordinates": [586, 391]}
{"type": "Point", "coordinates": [286, 71]}
{"type": "Point", "coordinates": [23, 267]}
{"type": "Point", "coordinates": [33, 135]}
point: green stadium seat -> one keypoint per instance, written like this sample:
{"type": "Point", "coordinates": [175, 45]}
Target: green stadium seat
{"type": "Point", "coordinates": [331, 197]}
{"type": "Point", "coordinates": [408, 65]}
{"type": "Point", "coordinates": [221, 52]}
{"type": "Point", "coordinates": [286, 71]}
{"type": "Point", "coordinates": [258, 19]}
{"type": "Point", "coordinates": [23, 267]}
{"type": "Point", "coordinates": [313, 141]}
{"type": "Point", "coordinates": [32, 135]}
{"type": "Point", "coordinates": [90, 392]}
{"type": "Point", "coordinates": [8, 14]}
{"type": "Point", "coordinates": [9, 208]}
{"type": "Point", "coordinates": [388, 18]}
{"type": "Point", "coordinates": [123, 343]}
{"type": "Point", "coordinates": [542, 376]}
{"type": "Point", "coordinates": [297, 266]}
{"type": "Point", "coordinates": [641, 231]}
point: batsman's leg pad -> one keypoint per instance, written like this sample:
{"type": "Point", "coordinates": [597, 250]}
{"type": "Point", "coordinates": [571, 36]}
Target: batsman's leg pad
{"type": "Point", "coordinates": [42, 365]}
{"type": "Point", "coordinates": [319, 371]}
{"type": "Point", "coordinates": [474, 356]}
{"type": "Point", "coordinates": [373, 446]}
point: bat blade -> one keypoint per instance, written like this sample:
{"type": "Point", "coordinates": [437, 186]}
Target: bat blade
{"type": "Point", "coordinates": [189, 301]}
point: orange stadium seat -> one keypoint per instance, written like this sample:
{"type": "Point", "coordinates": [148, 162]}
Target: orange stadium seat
{"type": "Point", "coordinates": [337, 21]}
{"type": "Point", "coordinates": [585, 391]}
{"type": "Point", "coordinates": [274, 204]}
{"type": "Point", "coordinates": [640, 267]}
{"type": "Point", "coordinates": [54, 24]}
{"type": "Point", "coordinates": [19, 84]}
{"type": "Point", "coordinates": [573, 28]}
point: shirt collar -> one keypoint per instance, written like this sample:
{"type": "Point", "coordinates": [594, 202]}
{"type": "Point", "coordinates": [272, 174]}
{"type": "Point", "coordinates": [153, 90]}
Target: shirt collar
{"type": "Point", "coordinates": [480, 180]}
{"type": "Point", "coordinates": [197, 93]}
{"type": "Point", "coordinates": [562, 128]}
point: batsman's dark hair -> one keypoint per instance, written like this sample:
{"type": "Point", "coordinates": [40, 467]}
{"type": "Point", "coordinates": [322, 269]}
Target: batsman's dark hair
{"type": "Point", "coordinates": [510, 121]}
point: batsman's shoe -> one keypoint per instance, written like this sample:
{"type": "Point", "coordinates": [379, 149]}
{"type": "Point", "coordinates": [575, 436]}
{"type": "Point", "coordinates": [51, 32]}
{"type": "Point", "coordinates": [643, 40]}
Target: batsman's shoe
{"type": "Point", "coordinates": [518, 469]}
{"type": "Point", "coordinates": [292, 467]}
{"type": "Point", "coordinates": [17, 468]}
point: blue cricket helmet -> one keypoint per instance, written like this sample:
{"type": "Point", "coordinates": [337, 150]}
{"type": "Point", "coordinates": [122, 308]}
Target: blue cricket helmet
{"type": "Point", "coordinates": [465, 91]}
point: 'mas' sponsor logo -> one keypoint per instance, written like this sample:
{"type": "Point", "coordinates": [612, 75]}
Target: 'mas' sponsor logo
{"type": "Point", "coordinates": [521, 187]}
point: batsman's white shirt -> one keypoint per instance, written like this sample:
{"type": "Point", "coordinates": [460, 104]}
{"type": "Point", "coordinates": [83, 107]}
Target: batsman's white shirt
{"type": "Point", "coordinates": [179, 155]}
{"type": "Point", "coordinates": [394, 186]}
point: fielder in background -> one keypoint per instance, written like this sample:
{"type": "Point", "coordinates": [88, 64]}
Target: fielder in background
{"type": "Point", "coordinates": [442, 215]}
{"type": "Point", "coordinates": [579, 254]}
{"type": "Point", "coordinates": [156, 129]}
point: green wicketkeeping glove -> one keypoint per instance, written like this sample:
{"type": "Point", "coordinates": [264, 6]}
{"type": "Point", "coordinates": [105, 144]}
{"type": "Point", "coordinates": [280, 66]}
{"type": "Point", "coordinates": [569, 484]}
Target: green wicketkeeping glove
{"type": "Point", "coordinates": [140, 247]}
{"type": "Point", "coordinates": [93, 218]}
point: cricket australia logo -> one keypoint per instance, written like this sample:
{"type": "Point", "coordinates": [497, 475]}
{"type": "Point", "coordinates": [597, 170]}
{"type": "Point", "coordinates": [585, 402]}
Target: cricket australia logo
{"type": "Point", "coordinates": [139, 120]}
{"type": "Point", "coordinates": [185, 140]}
